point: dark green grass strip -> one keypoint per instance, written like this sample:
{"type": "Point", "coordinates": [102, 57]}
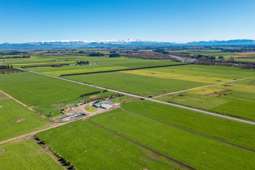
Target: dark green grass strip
{"type": "Point", "coordinates": [124, 69]}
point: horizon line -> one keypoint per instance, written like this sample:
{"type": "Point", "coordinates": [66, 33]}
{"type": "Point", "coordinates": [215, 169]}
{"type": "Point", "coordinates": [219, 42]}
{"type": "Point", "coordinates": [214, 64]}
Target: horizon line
{"type": "Point", "coordinates": [128, 40]}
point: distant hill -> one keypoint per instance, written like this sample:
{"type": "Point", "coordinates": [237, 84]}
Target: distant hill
{"type": "Point", "coordinates": [80, 44]}
{"type": "Point", "coordinates": [41, 45]}
{"type": "Point", "coordinates": [118, 44]}
{"type": "Point", "coordinates": [241, 42]}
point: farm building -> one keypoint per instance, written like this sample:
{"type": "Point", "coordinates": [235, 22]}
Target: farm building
{"type": "Point", "coordinates": [73, 116]}
{"type": "Point", "coordinates": [103, 104]}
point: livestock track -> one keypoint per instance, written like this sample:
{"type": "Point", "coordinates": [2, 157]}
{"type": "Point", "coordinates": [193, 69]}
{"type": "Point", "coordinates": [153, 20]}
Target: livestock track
{"type": "Point", "coordinates": [16, 100]}
{"type": "Point", "coordinates": [231, 118]}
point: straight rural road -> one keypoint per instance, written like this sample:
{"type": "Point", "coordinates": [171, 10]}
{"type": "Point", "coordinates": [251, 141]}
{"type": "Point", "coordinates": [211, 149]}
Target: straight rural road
{"type": "Point", "coordinates": [151, 99]}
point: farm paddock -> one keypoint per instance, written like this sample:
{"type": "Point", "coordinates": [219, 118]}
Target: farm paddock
{"type": "Point", "coordinates": [17, 119]}
{"type": "Point", "coordinates": [140, 125]}
{"type": "Point", "coordinates": [25, 155]}
{"type": "Point", "coordinates": [137, 133]}
{"type": "Point", "coordinates": [46, 95]}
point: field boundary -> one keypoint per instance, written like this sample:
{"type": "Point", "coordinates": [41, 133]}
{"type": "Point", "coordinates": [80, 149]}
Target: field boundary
{"type": "Point", "coordinates": [17, 101]}
{"type": "Point", "coordinates": [60, 64]}
{"type": "Point", "coordinates": [55, 156]}
{"type": "Point", "coordinates": [124, 69]}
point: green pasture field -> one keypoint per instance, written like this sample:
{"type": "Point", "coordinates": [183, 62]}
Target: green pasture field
{"type": "Point", "coordinates": [15, 119]}
{"type": "Point", "coordinates": [200, 124]}
{"type": "Point", "coordinates": [74, 69]}
{"type": "Point", "coordinates": [36, 60]}
{"type": "Point", "coordinates": [88, 147]}
{"type": "Point", "coordinates": [140, 134]}
{"type": "Point", "coordinates": [151, 82]}
{"type": "Point", "coordinates": [96, 63]}
{"type": "Point", "coordinates": [159, 128]}
{"type": "Point", "coordinates": [25, 155]}
{"type": "Point", "coordinates": [102, 64]}
{"type": "Point", "coordinates": [44, 94]}
{"type": "Point", "coordinates": [136, 84]}
{"type": "Point", "coordinates": [198, 73]}
{"type": "Point", "coordinates": [235, 99]}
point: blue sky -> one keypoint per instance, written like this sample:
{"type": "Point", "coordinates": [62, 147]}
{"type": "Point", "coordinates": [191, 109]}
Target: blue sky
{"type": "Point", "coordinates": [95, 20]}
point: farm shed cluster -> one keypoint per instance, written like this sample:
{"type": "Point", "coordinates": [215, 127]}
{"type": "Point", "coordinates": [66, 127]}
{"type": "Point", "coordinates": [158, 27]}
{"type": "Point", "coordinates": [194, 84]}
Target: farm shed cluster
{"type": "Point", "coordinates": [103, 104]}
